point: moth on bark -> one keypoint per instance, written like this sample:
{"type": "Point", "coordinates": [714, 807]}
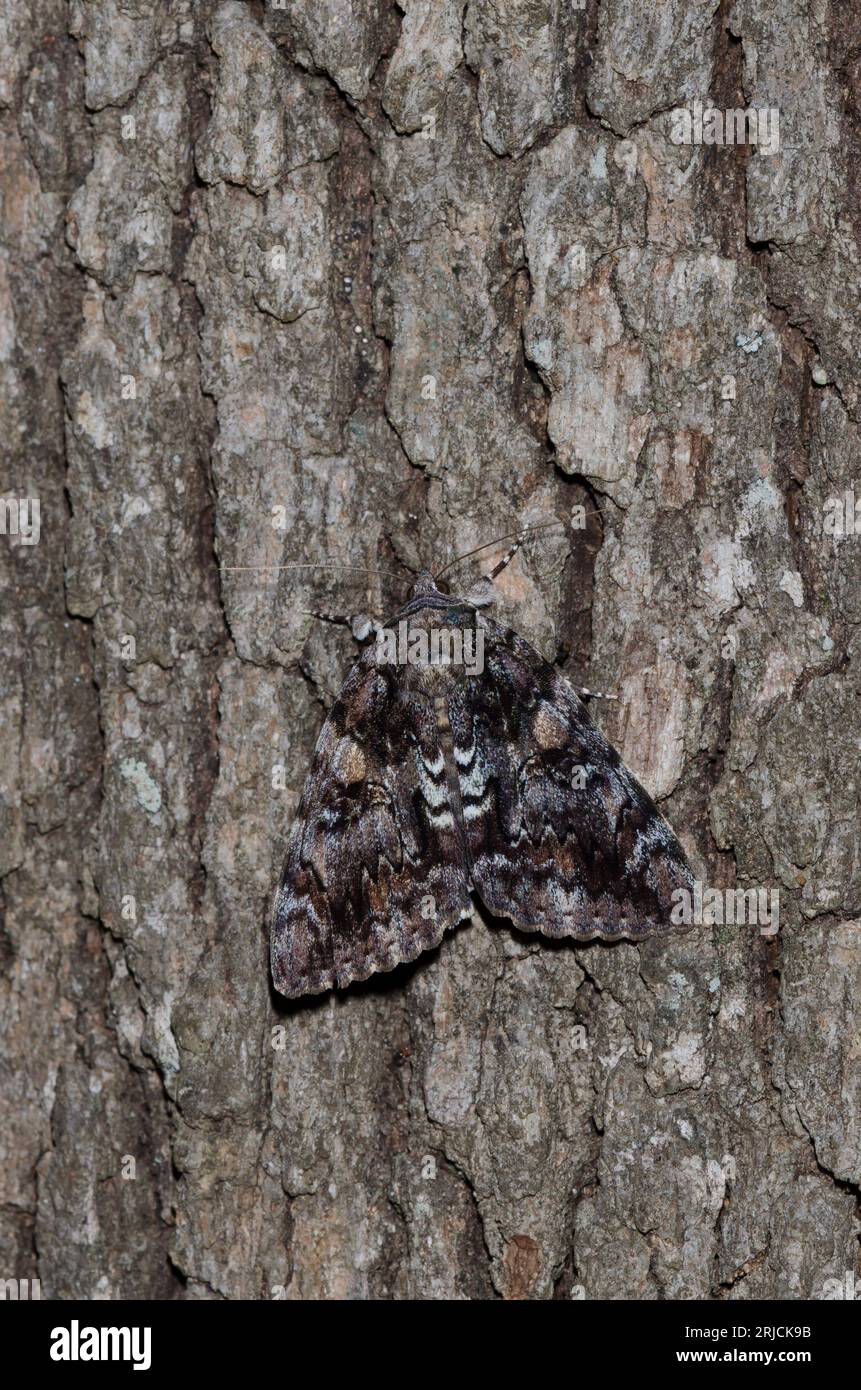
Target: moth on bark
{"type": "Point", "coordinates": [446, 769]}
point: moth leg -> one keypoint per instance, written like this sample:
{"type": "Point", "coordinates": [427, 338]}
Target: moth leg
{"type": "Point", "coordinates": [482, 593]}
{"type": "Point", "coordinates": [488, 578]}
{"type": "Point", "coordinates": [582, 690]}
{"type": "Point", "coordinates": [361, 625]}
{"type": "Point", "coordinates": [506, 559]}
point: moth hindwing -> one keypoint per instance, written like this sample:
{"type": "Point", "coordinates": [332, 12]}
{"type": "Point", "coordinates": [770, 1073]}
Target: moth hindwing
{"type": "Point", "coordinates": [448, 767]}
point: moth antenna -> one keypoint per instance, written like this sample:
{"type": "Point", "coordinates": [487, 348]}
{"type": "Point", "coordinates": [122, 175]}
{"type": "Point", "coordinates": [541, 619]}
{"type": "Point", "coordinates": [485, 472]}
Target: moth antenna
{"type": "Point", "coordinates": [524, 531]}
{"type": "Point", "coordinates": [311, 565]}
{"type": "Point", "coordinates": [521, 534]}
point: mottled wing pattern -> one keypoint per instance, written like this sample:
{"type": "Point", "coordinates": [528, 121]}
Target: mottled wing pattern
{"type": "Point", "coordinates": [590, 860]}
{"type": "Point", "coordinates": [374, 871]}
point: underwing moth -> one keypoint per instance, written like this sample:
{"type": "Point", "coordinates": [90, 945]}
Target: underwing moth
{"type": "Point", "coordinates": [448, 768]}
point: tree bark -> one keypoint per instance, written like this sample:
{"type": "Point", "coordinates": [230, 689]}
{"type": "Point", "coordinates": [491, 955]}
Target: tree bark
{"type": "Point", "coordinates": [288, 283]}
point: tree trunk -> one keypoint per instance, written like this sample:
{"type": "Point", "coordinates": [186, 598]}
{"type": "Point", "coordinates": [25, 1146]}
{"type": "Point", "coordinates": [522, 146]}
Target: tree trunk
{"type": "Point", "coordinates": [288, 283]}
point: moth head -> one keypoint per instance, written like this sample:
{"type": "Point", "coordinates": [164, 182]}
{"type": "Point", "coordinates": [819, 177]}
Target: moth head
{"type": "Point", "coordinates": [479, 596]}
{"type": "Point", "coordinates": [424, 585]}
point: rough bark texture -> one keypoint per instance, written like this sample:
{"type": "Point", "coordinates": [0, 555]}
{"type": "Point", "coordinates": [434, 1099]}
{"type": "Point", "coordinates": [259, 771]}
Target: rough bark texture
{"type": "Point", "coordinates": [281, 221]}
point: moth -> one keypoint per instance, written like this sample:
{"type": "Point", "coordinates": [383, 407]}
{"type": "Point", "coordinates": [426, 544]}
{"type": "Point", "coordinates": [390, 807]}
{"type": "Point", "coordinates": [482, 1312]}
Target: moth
{"type": "Point", "coordinates": [449, 768]}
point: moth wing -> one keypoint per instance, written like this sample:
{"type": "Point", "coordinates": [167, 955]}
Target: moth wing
{"type": "Point", "coordinates": [374, 871]}
{"type": "Point", "coordinates": [562, 837]}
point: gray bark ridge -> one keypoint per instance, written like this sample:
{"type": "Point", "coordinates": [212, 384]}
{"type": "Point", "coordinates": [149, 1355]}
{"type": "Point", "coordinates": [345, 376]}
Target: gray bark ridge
{"type": "Point", "coordinates": [373, 285]}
